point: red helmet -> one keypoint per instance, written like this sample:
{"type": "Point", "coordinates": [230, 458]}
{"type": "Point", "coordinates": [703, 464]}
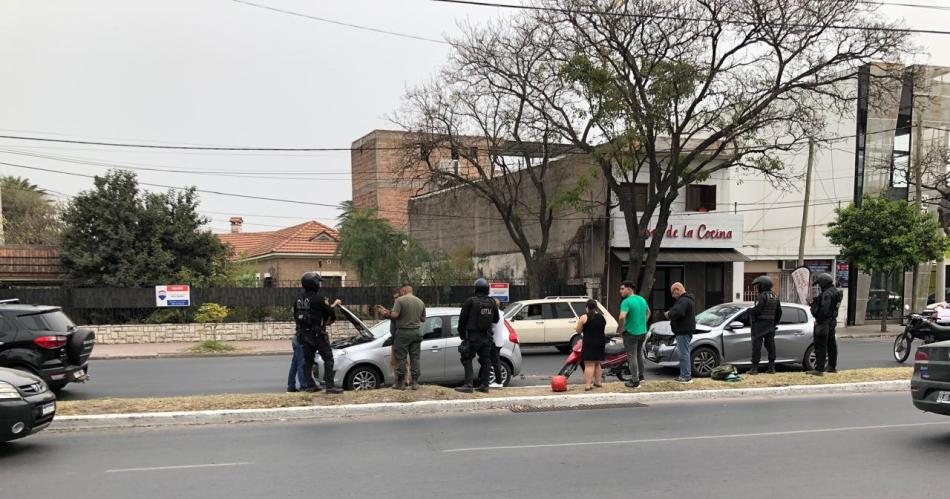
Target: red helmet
{"type": "Point", "coordinates": [559, 384]}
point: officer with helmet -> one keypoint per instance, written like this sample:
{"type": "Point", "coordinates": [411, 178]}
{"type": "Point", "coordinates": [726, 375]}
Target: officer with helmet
{"type": "Point", "coordinates": [312, 314]}
{"type": "Point", "coordinates": [824, 308]}
{"type": "Point", "coordinates": [476, 321]}
{"type": "Point", "coordinates": [764, 318]}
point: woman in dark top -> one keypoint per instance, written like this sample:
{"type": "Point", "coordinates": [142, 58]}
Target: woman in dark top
{"type": "Point", "coordinates": [591, 325]}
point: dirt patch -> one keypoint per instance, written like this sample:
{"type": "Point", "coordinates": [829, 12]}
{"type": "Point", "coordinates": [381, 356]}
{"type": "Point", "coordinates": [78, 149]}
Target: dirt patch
{"type": "Point", "coordinates": [431, 392]}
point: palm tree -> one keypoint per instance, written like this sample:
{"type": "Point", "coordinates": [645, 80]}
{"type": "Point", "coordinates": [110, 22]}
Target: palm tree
{"type": "Point", "coordinates": [10, 182]}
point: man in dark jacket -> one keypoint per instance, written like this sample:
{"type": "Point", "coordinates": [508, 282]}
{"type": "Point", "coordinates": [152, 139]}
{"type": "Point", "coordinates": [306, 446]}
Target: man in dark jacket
{"type": "Point", "coordinates": [832, 339]}
{"type": "Point", "coordinates": [824, 310]}
{"type": "Point", "coordinates": [478, 316]}
{"type": "Point", "coordinates": [764, 317]}
{"type": "Point", "coordinates": [682, 316]}
{"type": "Point", "coordinates": [313, 314]}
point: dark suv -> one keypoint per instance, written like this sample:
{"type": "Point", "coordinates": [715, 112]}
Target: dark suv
{"type": "Point", "coordinates": [42, 340]}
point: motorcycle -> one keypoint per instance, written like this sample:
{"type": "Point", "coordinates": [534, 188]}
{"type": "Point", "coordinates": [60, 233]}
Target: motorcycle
{"type": "Point", "coordinates": [918, 328]}
{"type": "Point", "coordinates": [614, 364]}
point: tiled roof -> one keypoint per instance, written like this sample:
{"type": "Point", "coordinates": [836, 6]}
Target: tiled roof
{"type": "Point", "coordinates": [299, 239]}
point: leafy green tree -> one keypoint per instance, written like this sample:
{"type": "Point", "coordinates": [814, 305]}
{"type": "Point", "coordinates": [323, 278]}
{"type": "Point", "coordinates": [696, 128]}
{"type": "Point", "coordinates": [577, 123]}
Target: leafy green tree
{"type": "Point", "coordinates": [369, 245]}
{"type": "Point", "coordinates": [118, 236]}
{"type": "Point", "coordinates": [29, 216]}
{"type": "Point", "coordinates": [886, 236]}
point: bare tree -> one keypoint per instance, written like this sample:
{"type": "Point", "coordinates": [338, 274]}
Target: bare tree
{"type": "Point", "coordinates": [672, 91]}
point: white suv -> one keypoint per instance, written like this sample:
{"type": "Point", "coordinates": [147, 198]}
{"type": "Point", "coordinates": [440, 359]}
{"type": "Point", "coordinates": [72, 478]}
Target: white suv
{"type": "Point", "coordinates": [551, 321]}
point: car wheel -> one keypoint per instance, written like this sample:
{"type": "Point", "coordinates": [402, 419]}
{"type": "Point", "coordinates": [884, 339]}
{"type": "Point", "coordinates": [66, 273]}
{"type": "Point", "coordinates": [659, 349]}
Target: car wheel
{"type": "Point", "coordinates": [363, 378]}
{"type": "Point", "coordinates": [704, 359]}
{"type": "Point", "coordinates": [505, 373]}
{"type": "Point", "coordinates": [902, 346]}
{"type": "Point", "coordinates": [809, 361]}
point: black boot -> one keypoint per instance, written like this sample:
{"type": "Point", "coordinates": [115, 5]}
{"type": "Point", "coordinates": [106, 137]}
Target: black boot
{"type": "Point", "coordinates": [399, 385]}
{"type": "Point", "coordinates": [771, 369]}
{"type": "Point", "coordinates": [754, 371]}
{"type": "Point", "coordinates": [465, 389]}
{"type": "Point", "coordinates": [415, 384]}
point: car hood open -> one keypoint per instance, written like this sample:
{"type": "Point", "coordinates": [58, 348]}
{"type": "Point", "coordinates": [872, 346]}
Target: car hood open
{"type": "Point", "coordinates": [363, 333]}
{"type": "Point", "coordinates": [662, 328]}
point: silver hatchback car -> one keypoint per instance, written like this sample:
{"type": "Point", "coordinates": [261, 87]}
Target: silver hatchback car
{"type": "Point", "coordinates": [724, 336]}
{"type": "Point", "coordinates": [362, 361]}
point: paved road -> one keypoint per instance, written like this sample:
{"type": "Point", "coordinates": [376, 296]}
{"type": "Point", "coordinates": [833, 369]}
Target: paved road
{"type": "Point", "coordinates": [259, 374]}
{"type": "Point", "coordinates": [854, 446]}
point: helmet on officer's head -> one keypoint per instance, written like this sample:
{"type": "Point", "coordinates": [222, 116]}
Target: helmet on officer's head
{"type": "Point", "coordinates": [481, 285]}
{"type": "Point", "coordinates": [311, 281]}
{"type": "Point", "coordinates": [763, 283]}
{"type": "Point", "coordinates": [824, 280]}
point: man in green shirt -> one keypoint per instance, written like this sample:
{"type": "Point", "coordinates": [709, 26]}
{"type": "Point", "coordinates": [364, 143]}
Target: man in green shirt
{"type": "Point", "coordinates": [634, 313]}
{"type": "Point", "coordinates": [409, 313]}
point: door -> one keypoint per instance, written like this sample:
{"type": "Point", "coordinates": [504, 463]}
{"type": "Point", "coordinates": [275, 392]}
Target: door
{"type": "Point", "coordinates": [453, 360]}
{"type": "Point", "coordinates": [559, 322]}
{"type": "Point", "coordinates": [433, 349]}
{"type": "Point", "coordinates": [529, 324]}
{"type": "Point", "coordinates": [792, 339]}
{"type": "Point", "coordinates": [737, 343]}
{"type": "Point", "coordinates": [660, 298]}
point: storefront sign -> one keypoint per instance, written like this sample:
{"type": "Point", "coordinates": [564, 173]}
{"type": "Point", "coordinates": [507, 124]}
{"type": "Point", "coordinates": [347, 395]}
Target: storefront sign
{"type": "Point", "coordinates": [819, 266]}
{"type": "Point", "coordinates": [841, 274]}
{"type": "Point", "coordinates": [700, 232]}
{"type": "Point", "coordinates": [499, 291]}
{"type": "Point", "coordinates": [173, 295]}
{"type": "Point", "coordinates": [693, 230]}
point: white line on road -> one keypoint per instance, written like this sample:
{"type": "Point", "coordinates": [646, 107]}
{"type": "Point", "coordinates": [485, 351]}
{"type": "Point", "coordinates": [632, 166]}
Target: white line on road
{"type": "Point", "coordinates": [183, 467]}
{"type": "Point", "coordinates": [702, 437]}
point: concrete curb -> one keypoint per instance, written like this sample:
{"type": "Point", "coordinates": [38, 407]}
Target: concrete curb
{"type": "Point", "coordinates": [187, 355]}
{"type": "Point", "coordinates": [113, 421]}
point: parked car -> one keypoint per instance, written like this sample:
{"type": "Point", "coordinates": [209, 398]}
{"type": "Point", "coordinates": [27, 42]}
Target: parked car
{"type": "Point", "coordinates": [724, 335]}
{"type": "Point", "coordinates": [551, 321]}
{"type": "Point", "coordinates": [43, 341]}
{"type": "Point", "coordinates": [26, 404]}
{"type": "Point", "coordinates": [362, 361]}
{"type": "Point", "coordinates": [930, 384]}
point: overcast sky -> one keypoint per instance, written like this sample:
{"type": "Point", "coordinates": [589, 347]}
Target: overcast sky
{"type": "Point", "coordinates": [217, 72]}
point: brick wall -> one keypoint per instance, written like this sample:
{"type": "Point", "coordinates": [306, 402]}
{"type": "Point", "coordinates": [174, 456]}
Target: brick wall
{"type": "Point", "coordinates": [184, 333]}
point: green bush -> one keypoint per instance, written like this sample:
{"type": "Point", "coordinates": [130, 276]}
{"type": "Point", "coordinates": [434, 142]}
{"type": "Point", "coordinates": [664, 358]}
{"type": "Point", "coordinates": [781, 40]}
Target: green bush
{"type": "Point", "coordinates": [211, 313]}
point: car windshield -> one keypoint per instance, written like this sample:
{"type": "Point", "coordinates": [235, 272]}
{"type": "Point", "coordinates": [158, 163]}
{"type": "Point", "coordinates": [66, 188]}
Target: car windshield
{"type": "Point", "coordinates": [513, 310]}
{"type": "Point", "coordinates": [381, 329]}
{"type": "Point", "coordinates": [55, 321]}
{"type": "Point", "coordinates": [717, 315]}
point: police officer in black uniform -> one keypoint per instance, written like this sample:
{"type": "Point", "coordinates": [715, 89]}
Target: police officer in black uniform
{"type": "Point", "coordinates": [479, 314]}
{"type": "Point", "coordinates": [832, 328]}
{"type": "Point", "coordinates": [824, 310]}
{"type": "Point", "coordinates": [312, 314]}
{"type": "Point", "coordinates": [764, 317]}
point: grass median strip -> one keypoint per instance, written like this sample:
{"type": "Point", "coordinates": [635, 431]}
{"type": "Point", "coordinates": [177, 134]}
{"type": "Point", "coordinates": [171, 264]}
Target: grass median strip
{"type": "Point", "coordinates": [432, 392]}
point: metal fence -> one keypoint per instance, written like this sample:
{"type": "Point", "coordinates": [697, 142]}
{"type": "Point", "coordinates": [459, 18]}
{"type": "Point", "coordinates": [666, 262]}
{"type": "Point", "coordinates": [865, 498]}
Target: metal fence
{"type": "Point", "coordinates": [122, 305]}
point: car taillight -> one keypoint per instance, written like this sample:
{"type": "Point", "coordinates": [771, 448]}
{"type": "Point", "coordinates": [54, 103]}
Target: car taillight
{"type": "Point", "coordinates": [512, 335]}
{"type": "Point", "coordinates": [921, 356]}
{"type": "Point", "coordinates": [50, 342]}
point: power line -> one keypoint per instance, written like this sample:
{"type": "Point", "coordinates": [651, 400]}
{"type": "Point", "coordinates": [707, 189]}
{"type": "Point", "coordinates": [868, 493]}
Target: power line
{"type": "Point", "coordinates": [341, 23]}
{"type": "Point", "coordinates": [689, 19]}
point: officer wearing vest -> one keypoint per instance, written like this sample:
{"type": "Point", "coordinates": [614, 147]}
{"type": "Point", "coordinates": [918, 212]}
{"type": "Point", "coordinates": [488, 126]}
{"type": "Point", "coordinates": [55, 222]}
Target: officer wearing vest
{"type": "Point", "coordinates": [478, 316]}
{"type": "Point", "coordinates": [824, 309]}
{"type": "Point", "coordinates": [764, 318]}
{"type": "Point", "coordinates": [312, 314]}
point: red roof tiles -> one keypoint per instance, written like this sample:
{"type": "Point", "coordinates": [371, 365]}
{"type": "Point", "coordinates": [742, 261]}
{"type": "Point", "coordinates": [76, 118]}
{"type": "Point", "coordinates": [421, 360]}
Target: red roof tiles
{"type": "Point", "coordinates": [299, 239]}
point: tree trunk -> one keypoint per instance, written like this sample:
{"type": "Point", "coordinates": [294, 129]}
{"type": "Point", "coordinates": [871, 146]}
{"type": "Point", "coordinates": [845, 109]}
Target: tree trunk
{"type": "Point", "coordinates": [642, 258]}
{"type": "Point", "coordinates": [534, 275]}
{"type": "Point", "coordinates": [886, 301]}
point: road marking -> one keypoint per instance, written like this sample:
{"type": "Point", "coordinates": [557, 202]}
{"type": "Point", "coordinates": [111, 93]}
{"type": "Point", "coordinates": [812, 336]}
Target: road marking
{"type": "Point", "coordinates": [702, 437]}
{"type": "Point", "coordinates": [183, 467]}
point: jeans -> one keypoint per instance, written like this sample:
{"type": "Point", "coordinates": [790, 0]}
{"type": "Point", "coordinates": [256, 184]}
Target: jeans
{"type": "Point", "coordinates": [634, 346]}
{"type": "Point", "coordinates": [683, 344]}
{"type": "Point", "coordinates": [296, 368]}
{"type": "Point", "coordinates": [408, 344]}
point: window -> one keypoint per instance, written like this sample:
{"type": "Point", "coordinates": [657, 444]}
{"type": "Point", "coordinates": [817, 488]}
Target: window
{"type": "Point", "coordinates": [638, 195]}
{"type": "Point", "coordinates": [561, 310]}
{"type": "Point", "coordinates": [455, 326]}
{"type": "Point", "coordinates": [580, 308]}
{"type": "Point", "coordinates": [700, 198]}
{"type": "Point", "coordinates": [531, 313]}
{"type": "Point", "coordinates": [54, 321]}
{"type": "Point", "coordinates": [432, 328]}
{"type": "Point", "coordinates": [793, 315]}
{"type": "Point", "coordinates": [323, 237]}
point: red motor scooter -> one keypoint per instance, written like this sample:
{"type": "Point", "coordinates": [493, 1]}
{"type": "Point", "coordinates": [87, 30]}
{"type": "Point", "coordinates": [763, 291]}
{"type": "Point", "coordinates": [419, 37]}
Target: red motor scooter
{"type": "Point", "coordinates": [614, 364]}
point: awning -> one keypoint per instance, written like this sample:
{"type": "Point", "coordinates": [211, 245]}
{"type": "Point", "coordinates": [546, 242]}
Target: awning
{"type": "Point", "coordinates": [691, 255]}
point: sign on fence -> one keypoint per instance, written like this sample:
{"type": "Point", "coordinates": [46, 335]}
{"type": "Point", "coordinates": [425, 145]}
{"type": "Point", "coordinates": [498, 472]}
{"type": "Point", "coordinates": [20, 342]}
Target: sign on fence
{"type": "Point", "coordinates": [499, 291]}
{"type": "Point", "coordinates": [173, 295]}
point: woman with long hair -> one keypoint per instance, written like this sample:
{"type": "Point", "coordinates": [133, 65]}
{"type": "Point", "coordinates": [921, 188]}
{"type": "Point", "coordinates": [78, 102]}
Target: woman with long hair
{"type": "Point", "coordinates": [591, 326]}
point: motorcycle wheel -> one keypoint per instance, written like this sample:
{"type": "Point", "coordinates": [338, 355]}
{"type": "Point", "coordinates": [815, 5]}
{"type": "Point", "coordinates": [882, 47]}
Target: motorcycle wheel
{"type": "Point", "coordinates": [902, 345]}
{"type": "Point", "coordinates": [567, 370]}
{"type": "Point", "coordinates": [623, 373]}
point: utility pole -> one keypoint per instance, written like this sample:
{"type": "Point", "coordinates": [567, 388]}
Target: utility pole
{"type": "Point", "coordinates": [918, 200]}
{"type": "Point", "coordinates": [809, 168]}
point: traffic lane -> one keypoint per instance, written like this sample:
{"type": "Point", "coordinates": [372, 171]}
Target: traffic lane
{"type": "Point", "coordinates": [175, 377]}
{"type": "Point", "coordinates": [699, 449]}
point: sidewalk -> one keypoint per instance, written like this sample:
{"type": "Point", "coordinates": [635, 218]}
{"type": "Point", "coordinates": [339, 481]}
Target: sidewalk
{"type": "Point", "coordinates": [872, 330]}
{"type": "Point", "coordinates": [157, 350]}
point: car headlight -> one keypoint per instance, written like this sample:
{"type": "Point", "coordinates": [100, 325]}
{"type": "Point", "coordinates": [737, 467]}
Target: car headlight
{"type": "Point", "coordinates": [339, 353]}
{"type": "Point", "coordinates": [8, 391]}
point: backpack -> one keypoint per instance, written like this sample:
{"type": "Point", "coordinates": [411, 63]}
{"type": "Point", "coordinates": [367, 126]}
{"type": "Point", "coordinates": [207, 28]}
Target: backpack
{"type": "Point", "coordinates": [303, 316]}
{"type": "Point", "coordinates": [722, 371]}
{"type": "Point", "coordinates": [484, 308]}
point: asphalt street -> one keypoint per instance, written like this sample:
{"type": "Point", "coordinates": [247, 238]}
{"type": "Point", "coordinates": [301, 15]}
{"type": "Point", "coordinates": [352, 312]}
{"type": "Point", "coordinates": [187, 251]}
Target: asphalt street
{"type": "Point", "coordinates": [268, 373]}
{"type": "Point", "coordinates": [851, 446]}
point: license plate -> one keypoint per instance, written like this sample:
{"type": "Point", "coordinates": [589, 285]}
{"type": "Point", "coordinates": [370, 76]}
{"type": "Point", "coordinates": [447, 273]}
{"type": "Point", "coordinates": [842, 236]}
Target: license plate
{"type": "Point", "coordinates": [78, 374]}
{"type": "Point", "coordinates": [943, 397]}
{"type": "Point", "coordinates": [49, 408]}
